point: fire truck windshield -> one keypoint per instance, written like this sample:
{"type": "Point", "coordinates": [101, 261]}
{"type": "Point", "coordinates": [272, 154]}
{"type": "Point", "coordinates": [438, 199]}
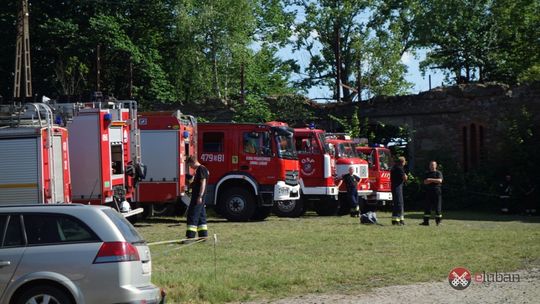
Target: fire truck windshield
{"type": "Point", "coordinates": [384, 159]}
{"type": "Point", "coordinates": [346, 150]}
{"type": "Point", "coordinates": [285, 143]}
{"type": "Point", "coordinates": [322, 139]}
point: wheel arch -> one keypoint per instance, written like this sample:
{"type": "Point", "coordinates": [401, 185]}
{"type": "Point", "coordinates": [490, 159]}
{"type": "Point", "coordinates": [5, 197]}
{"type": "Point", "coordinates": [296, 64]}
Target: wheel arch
{"type": "Point", "coordinates": [66, 286]}
{"type": "Point", "coordinates": [235, 180]}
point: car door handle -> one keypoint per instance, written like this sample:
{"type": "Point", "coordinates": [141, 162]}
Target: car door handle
{"type": "Point", "coordinates": [5, 263]}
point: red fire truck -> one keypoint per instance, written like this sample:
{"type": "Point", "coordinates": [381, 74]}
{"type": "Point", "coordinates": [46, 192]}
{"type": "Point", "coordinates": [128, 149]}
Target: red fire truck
{"type": "Point", "coordinates": [251, 167]}
{"type": "Point", "coordinates": [379, 159]}
{"type": "Point", "coordinates": [34, 160]}
{"type": "Point", "coordinates": [317, 176]}
{"type": "Point", "coordinates": [346, 156]}
{"type": "Point", "coordinates": [103, 152]}
{"type": "Point", "coordinates": [166, 140]}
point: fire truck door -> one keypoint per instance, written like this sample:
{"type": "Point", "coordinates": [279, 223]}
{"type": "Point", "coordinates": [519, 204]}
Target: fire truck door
{"type": "Point", "coordinates": [58, 172]}
{"type": "Point", "coordinates": [256, 153]}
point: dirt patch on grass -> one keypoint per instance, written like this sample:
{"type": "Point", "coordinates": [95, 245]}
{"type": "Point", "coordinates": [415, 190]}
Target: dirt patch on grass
{"type": "Point", "coordinates": [527, 290]}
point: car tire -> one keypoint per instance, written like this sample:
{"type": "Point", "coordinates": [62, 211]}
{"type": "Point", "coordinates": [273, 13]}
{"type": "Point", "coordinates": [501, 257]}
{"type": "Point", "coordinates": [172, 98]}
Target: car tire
{"type": "Point", "coordinates": [326, 207]}
{"type": "Point", "coordinates": [41, 293]}
{"type": "Point", "coordinates": [237, 204]}
{"type": "Point", "coordinates": [291, 208]}
{"type": "Point", "coordinates": [261, 213]}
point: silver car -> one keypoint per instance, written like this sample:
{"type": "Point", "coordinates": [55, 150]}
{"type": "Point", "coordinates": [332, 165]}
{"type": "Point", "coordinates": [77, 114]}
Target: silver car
{"type": "Point", "coordinates": [72, 254]}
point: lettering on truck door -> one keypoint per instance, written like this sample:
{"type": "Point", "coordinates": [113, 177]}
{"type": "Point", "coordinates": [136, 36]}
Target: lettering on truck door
{"type": "Point", "coordinates": [256, 154]}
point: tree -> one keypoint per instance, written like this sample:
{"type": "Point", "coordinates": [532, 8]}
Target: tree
{"type": "Point", "coordinates": [485, 40]}
{"type": "Point", "coordinates": [350, 49]}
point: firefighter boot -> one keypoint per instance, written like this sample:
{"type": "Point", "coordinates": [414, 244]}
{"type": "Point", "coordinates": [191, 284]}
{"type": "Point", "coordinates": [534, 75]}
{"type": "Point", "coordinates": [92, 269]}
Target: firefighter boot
{"type": "Point", "coordinates": [355, 211]}
{"type": "Point", "coordinates": [425, 222]}
{"type": "Point", "coordinates": [438, 221]}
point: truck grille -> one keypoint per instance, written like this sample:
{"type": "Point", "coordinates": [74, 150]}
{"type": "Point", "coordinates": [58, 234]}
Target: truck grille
{"type": "Point", "coordinates": [363, 171]}
{"type": "Point", "coordinates": [291, 177]}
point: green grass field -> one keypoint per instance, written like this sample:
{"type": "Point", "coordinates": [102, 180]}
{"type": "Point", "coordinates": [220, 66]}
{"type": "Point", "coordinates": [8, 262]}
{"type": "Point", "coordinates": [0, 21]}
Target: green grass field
{"type": "Point", "coordinates": [283, 257]}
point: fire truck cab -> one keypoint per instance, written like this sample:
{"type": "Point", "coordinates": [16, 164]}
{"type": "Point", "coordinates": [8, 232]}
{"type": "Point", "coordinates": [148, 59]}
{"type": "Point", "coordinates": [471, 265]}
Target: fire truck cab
{"type": "Point", "coordinates": [345, 156]}
{"type": "Point", "coordinates": [251, 166]}
{"type": "Point", "coordinates": [317, 175]}
{"type": "Point", "coordinates": [103, 151]}
{"type": "Point", "coordinates": [167, 139]}
{"type": "Point", "coordinates": [34, 158]}
{"type": "Point", "coordinates": [379, 159]}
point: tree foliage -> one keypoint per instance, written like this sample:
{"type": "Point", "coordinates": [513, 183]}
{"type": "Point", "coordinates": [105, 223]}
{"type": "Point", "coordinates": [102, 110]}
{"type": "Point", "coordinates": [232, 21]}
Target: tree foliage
{"type": "Point", "coordinates": [183, 51]}
{"type": "Point", "coordinates": [480, 40]}
{"type": "Point", "coordinates": [369, 54]}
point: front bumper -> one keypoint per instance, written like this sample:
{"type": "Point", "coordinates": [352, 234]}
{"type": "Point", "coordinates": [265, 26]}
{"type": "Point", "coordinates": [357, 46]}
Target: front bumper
{"type": "Point", "coordinates": [284, 192]}
{"type": "Point", "coordinates": [380, 196]}
{"type": "Point", "coordinates": [364, 193]}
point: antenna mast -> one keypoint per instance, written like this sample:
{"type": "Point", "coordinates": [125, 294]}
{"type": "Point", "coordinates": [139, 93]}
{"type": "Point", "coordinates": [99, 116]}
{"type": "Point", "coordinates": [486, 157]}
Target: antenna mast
{"type": "Point", "coordinates": [22, 54]}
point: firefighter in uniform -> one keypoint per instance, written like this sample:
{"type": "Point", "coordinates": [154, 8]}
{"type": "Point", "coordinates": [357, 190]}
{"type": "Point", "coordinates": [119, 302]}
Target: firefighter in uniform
{"type": "Point", "coordinates": [397, 179]}
{"type": "Point", "coordinates": [196, 214]}
{"type": "Point", "coordinates": [351, 183]}
{"type": "Point", "coordinates": [432, 181]}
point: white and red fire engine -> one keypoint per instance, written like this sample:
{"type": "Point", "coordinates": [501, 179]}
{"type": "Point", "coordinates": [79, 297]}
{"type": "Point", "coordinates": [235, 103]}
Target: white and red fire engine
{"type": "Point", "coordinates": [166, 141]}
{"type": "Point", "coordinates": [346, 156]}
{"type": "Point", "coordinates": [317, 176]}
{"type": "Point", "coordinates": [104, 157]}
{"type": "Point", "coordinates": [34, 160]}
{"type": "Point", "coordinates": [251, 166]}
{"type": "Point", "coordinates": [379, 159]}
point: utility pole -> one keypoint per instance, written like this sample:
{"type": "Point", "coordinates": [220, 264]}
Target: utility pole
{"type": "Point", "coordinates": [22, 53]}
{"type": "Point", "coordinates": [98, 68]}
{"type": "Point", "coordinates": [359, 80]}
{"type": "Point", "coordinates": [338, 62]}
{"type": "Point", "coordinates": [242, 84]}
{"type": "Point", "coordinates": [130, 77]}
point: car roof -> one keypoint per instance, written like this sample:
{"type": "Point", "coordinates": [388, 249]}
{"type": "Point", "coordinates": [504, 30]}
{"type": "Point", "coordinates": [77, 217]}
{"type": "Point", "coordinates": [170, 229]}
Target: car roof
{"type": "Point", "coordinates": [48, 207]}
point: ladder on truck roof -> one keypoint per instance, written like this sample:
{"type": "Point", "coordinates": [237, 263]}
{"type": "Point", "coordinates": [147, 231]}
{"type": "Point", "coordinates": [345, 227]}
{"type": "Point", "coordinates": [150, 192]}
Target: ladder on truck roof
{"type": "Point", "coordinates": [26, 115]}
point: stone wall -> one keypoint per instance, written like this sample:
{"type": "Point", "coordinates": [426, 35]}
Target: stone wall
{"type": "Point", "coordinates": [465, 122]}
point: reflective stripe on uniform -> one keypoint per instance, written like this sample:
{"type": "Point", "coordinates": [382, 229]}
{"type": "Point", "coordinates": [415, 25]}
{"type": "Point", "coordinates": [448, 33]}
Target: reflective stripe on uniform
{"type": "Point", "coordinates": [191, 228]}
{"type": "Point", "coordinates": [396, 218]}
{"type": "Point", "coordinates": [202, 227]}
{"type": "Point", "coordinates": [438, 215]}
{"type": "Point", "coordinates": [427, 215]}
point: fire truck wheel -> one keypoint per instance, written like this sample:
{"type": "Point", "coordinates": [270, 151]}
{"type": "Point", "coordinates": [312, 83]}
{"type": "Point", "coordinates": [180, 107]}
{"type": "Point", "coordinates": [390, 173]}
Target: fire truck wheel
{"type": "Point", "coordinates": [292, 208]}
{"type": "Point", "coordinates": [326, 207]}
{"type": "Point", "coordinates": [238, 204]}
{"type": "Point", "coordinates": [261, 213]}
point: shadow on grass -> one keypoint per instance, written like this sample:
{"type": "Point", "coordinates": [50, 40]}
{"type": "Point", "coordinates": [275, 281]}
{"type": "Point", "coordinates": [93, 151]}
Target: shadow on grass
{"type": "Point", "coordinates": [172, 221]}
{"type": "Point", "coordinates": [479, 216]}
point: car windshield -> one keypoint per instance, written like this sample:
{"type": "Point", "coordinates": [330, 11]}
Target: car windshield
{"type": "Point", "coordinates": [346, 150]}
{"type": "Point", "coordinates": [384, 159]}
{"type": "Point", "coordinates": [285, 143]}
{"type": "Point", "coordinates": [128, 231]}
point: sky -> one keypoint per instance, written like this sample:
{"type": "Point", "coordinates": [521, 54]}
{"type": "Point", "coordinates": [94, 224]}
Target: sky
{"type": "Point", "coordinates": [322, 94]}
{"type": "Point", "coordinates": [420, 83]}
